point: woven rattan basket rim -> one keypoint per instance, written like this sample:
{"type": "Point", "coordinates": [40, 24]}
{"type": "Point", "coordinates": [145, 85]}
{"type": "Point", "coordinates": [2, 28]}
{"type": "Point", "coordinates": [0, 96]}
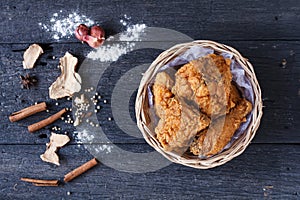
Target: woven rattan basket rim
{"type": "Point", "coordinates": [239, 145]}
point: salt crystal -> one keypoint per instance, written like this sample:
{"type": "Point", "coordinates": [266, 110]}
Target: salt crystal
{"type": "Point", "coordinates": [56, 37]}
{"type": "Point", "coordinates": [133, 32]}
{"type": "Point", "coordinates": [62, 26]}
{"type": "Point", "coordinates": [114, 51]}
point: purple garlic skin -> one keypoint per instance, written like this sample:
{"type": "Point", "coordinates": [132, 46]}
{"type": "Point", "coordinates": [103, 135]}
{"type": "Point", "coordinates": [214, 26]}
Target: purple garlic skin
{"type": "Point", "coordinates": [81, 31]}
{"type": "Point", "coordinates": [94, 36]}
{"type": "Point", "coordinates": [97, 32]}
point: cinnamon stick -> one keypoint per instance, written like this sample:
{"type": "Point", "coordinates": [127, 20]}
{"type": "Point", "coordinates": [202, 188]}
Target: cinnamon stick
{"type": "Point", "coordinates": [45, 185]}
{"type": "Point", "coordinates": [40, 182]}
{"type": "Point", "coordinates": [41, 124]}
{"type": "Point", "coordinates": [80, 170]}
{"type": "Point", "coordinates": [26, 112]}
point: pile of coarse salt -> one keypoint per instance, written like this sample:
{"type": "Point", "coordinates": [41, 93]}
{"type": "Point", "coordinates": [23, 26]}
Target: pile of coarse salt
{"type": "Point", "coordinates": [63, 26]}
{"type": "Point", "coordinates": [113, 51]}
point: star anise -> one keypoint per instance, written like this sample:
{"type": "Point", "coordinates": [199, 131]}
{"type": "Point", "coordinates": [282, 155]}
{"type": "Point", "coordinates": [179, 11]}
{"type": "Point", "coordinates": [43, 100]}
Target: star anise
{"type": "Point", "coordinates": [27, 81]}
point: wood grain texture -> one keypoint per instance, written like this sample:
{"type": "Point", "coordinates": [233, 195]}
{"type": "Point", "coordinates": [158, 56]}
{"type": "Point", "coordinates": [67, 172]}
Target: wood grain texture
{"type": "Point", "coordinates": [279, 85]}
{"type": "Point", "coordinates": [246, 177]}
{"type": "Point", "coordinates": [265, 32]}
{"type": "Point", "coordinates": [211, 19]}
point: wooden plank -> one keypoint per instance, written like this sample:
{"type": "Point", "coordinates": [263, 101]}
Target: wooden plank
{"type": "Point", "coordinates": [211, 19]}
{"type": "Point", "coordinates": [262, 171]}
{"type": "Point", "coordinates": [279, 86]}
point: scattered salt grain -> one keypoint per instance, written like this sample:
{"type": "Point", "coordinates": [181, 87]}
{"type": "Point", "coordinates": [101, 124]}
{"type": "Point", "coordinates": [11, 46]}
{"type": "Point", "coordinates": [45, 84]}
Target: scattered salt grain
{"type": "Point", "coordinates": [110, 53]}
{"type": "Point", "coordinates": [133, 33]}
{"type": "Point", "coordinates": [104, 148]}
{"type": "Point", "coordinates": [63, 25]}
{"type": "Point", "coordinates": [84, 137]}
{"type": "Point", "coordinates": [123, 22]}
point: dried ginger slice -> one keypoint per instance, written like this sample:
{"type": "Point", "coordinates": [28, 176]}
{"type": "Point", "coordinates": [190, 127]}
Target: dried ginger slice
{"type": "Point", "coordinates": [69, 81]}
{"type": "Point", "coordinates": [50, 155]}
{"type": "Point", "coordinates": [56, 141]}
{"type": "Point", "coordinates": [31, 55]}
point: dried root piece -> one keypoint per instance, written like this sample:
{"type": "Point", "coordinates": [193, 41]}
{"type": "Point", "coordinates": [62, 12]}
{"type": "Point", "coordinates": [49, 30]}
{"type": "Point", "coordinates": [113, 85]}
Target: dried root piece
{"type": "Point", "coordinates": [69, 81]}
{"type": "Point", "coordinates": [31, 55]}
{"type": "Point", "coordinates": [56, 141]}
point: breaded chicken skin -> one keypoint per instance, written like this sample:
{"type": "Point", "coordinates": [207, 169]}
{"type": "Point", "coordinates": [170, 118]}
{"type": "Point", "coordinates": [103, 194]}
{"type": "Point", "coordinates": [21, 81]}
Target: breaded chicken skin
{"type": "Point", "coordinates": [179, 123]}
{"type": "Point", "coordinates": [207, 81]}
{"type": "Point", "coordinates": [212, 140]}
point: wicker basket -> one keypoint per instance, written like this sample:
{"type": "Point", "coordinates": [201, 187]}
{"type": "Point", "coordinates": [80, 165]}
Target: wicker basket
{"type": "Point", "coordinates": [238, 146]}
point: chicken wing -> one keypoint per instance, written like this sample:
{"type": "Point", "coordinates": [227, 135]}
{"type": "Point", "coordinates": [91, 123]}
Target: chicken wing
{"type": "Point", "coordinates": [212, 140]}
{"type": "Point", "coordinates": [179, 123]}
{"type": "Point", "coordinates": [207, 81]}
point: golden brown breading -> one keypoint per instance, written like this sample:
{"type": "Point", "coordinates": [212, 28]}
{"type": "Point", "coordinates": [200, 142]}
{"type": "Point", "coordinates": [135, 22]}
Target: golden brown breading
{"type": "Point", "coordinates": [161, 91]}
{"type": "Point", "coordinates": [179, 123]}
{"type": "Point", "coordinates": [207, 81]}
{"type": "Point", "coordinates": [219, 133]}
{"type": "Point", "coordinates": [234, 97]}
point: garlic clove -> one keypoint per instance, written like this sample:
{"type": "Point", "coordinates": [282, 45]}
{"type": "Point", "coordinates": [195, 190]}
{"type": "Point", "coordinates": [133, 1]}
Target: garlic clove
{"type": "Point", "coordinates": [92, 41]}
{"type": "Point", "coordinates": [81, 31]}
{"type": "Point", "coordinates": [97, 32]}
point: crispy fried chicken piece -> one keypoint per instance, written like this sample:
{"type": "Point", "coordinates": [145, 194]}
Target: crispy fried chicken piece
{"type": "Point", "coordinates": [207, 81]}
{"type": "Point", "coordinates": [179, 123]}
{"type": "Point", "coordinates": [212, 140]}
{"type": "Point", "coordinates": [234, 97]}
{"type": "Point", "coordinates": [162, 86]}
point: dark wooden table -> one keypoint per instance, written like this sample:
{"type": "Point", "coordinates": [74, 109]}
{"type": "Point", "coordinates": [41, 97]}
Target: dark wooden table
{"type": "Point", "coordinates": [266, 32]}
